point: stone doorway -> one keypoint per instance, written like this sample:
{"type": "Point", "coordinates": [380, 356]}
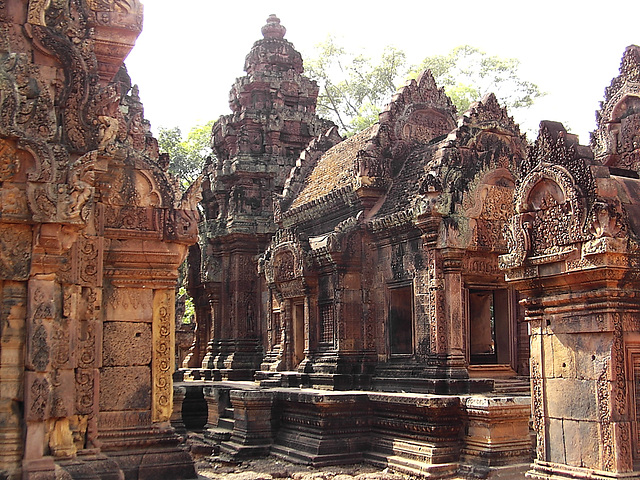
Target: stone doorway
{"type": "Point", "coordinates": [489, 327]}
{"type": "Point", "coordinates": [297, 334]}
{"type": "Point", "coordinates": [401, 320]}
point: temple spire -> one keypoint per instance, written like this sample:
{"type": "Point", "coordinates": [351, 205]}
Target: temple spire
{"type": "Point", "coordinates": [273, 29]}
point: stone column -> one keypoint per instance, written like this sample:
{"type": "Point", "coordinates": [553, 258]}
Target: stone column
{"type": "Point", "coordinates": [583, 314]}
{"type": "Point", "coordinates": [136, 391]}
{"type": "Point", "coordinates": [454, 313]}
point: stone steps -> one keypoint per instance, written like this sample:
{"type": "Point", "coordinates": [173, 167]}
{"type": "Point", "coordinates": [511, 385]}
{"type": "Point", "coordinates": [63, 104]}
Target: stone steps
{"type": "Point", "coordinates": [201, 445]}
{"type": "Point", "coordinates": [218, 434]}
{"type": "Point", "coordinates": [226, 420]}
{"type": "Point", "coordinates": [512, 386]}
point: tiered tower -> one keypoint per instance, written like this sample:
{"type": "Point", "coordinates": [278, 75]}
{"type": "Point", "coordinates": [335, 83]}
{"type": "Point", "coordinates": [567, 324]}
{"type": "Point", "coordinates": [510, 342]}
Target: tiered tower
{"type": "Point", "coordinates": [255, 147]}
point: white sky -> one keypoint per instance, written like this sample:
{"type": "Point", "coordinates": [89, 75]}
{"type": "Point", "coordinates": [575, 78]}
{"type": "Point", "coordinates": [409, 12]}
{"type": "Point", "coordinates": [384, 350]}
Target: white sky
{"type": "Point", "coordinates": [188, 56]}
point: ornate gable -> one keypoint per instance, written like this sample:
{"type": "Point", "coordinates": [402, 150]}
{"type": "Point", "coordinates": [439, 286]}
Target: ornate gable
{"type": "Point", "coordinates": [555, 145]}
{"type": "Point", "coordinates": [616, 142]}
{"type": "Point", "coordinates": [552, 199]}
{"type": "Point", "coordinates": [416, 115]}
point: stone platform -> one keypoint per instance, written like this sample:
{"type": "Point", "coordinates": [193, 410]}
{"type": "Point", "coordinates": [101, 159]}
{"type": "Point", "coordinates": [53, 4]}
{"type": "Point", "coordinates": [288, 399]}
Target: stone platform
{"type": "Point", "coordinates": [435, 436]}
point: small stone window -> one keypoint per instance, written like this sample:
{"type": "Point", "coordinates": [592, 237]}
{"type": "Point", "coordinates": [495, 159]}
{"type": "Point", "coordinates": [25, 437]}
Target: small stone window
{"type": "Point", "coordinates": [327, 324]}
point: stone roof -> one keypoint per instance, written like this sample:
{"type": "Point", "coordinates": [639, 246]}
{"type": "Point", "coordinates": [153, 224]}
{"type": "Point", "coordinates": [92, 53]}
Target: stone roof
{"type": "Point", "coordinates": [335, 169]}
{"type": "Point", "coordinates": [406, 184]}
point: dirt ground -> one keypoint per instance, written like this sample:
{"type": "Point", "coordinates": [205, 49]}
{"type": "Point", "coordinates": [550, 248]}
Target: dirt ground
{"type": "Point", "coordinates": [271, 468]}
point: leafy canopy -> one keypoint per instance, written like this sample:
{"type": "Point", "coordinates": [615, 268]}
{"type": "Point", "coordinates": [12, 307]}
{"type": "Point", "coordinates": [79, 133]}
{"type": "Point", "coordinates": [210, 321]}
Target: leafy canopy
{"type": "Point", "coordinates": [468, 74]}
{"type": "Point", "coordinates": [354, 88]}
{"type": "Point", "coordinates": [187, 156]}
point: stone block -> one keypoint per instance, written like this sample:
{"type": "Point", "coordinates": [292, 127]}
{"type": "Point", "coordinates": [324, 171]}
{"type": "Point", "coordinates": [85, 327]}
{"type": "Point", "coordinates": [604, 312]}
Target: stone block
{"type": "Point", "coordinates": [119, 420]}
{"type": "Point", "coordinates": [63, 393]}
{"type": "Point", "coordinates": [497, 431]}
{"type": "Point", "coordinates": [126, 344]}
{"type": "Point", "coordinates": [129, 305]}
{"type": "Point", "coordinates": [571, 399]}
{"type": "Point", "coordinates": [37, 396]}
{"type": "Point", "coordinates": [572, 442]}
{"type": "Point", "coordinates": [555, 433]}
{"type": "Point", "coordinates": [590, 445]}
{"type": "Point", "coordinates": [125, 388]}
{"type": "Point", "coordinates": [591, 351]}
{"type": "Point", "coordinates": [564, 363]}
{"type": "Point", "coordinates": [546, 355]}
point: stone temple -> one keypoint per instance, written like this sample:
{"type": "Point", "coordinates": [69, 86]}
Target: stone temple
{"type": "Point", "coordinates": [434, 294]}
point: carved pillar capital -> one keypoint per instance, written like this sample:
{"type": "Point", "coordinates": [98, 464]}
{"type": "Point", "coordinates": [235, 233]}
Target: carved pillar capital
{"type": "Point", "coordinates": [452, 260]}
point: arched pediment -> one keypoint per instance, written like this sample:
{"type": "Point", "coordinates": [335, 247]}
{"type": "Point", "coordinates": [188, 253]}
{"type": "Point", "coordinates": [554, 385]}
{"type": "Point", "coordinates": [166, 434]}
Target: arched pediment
{"type": "Point", "coordinates": [488, 206]}
{"type": "Point", "coordinates": [285, 262]}
{"type": "Point", "coordinates": [550, 215]}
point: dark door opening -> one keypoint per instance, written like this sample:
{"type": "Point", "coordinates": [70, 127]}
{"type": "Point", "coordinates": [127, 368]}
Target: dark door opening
{"type": "Point", "coordinates": [401, 320]}
{"type": "Point", "coordinates": [298, 334]}
{"type": "Point", "coordinates": [489, 332]}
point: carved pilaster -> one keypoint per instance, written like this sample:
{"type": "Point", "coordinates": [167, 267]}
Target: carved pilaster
{"type": "Point", "coordinates": [163, 352]}
{"type": "Point", "coordinates": [12, 325]}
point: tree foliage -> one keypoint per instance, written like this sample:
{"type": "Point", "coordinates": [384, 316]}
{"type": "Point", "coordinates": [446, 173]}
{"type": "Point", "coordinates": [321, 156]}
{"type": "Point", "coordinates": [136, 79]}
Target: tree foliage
{"type": "Point", "coordinates": [187, 155]}
{"type": "Point", "coordinates": [353, 88]}
{"type": "Point", "coordinates": [468, 74]}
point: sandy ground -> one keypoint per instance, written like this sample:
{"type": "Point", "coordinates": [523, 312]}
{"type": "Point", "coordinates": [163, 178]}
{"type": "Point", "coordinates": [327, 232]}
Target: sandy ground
{"type": "Point", "coordinates": [272, 468]}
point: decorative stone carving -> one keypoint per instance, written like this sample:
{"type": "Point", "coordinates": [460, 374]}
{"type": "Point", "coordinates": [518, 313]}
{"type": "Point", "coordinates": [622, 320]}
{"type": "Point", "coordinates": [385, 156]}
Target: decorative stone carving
{"type": "Point", "coordinates": [573, 259]}
{"type": "Point", "coordinates": [616, 142]}
{"type": "Point", "coordinates": [84, 206]}
{"type": "Point", "coordinates": [272, 121]}
{"type": "Point", "coordinates": [163, 347]}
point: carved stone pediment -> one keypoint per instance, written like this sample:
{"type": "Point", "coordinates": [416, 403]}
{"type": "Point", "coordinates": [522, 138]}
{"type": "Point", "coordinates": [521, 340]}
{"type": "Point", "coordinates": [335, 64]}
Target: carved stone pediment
{"type": "Point", "coordinates": [550, 215]}
{"type": "Point", "coordinates": [616, 142]}
{"type": "Point", "coordinates": [285, 260]}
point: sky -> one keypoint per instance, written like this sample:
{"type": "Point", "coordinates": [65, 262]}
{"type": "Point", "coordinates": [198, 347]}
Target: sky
{"type": "Point", "coordinates": [188, 56]}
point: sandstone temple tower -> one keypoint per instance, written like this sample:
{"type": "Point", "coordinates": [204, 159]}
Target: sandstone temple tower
{"type": "Point", "coordinates": [255, 147]}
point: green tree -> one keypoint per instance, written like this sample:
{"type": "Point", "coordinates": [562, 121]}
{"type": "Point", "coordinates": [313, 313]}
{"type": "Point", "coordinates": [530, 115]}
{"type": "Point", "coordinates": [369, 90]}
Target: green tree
{"type": "Point", "coordinates": [468, 74]}
{"type": "Point", "coordinates": [353, 88]}
{"type": "Point", "coordinates": [187, 156]}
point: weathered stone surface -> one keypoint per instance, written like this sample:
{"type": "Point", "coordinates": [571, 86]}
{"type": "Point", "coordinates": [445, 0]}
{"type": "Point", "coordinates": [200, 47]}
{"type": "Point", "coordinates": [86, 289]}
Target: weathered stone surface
{"type": "Point", "coordinates": [125, 388]}
{"type": "Point", "coordinates": [92, 230]}
{"type": "Point", "coordinates": [126, 344]}
{"type": "Point", "coordinates": [129, 305]}
{"type": "Point", "coordinates": [574, 259]}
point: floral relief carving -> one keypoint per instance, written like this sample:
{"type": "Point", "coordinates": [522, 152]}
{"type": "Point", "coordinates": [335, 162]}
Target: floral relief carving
{"type": "Point", "coordinates": [163, 338]}
{"type": "Point", "coordinates": [15, 251]}
{"type": "Point", "coordinates": [604, 417]}
{"type": "Point", "coordinates": [40, 349]}
{"type": "Point", "coordinates": [40, 391]}
{"type": "Point", "coordinates": [550, 216]}
{"type": "Point", "coordinates": [537, 400]}
{"type": "Point", "coordinates": [84, 391]}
